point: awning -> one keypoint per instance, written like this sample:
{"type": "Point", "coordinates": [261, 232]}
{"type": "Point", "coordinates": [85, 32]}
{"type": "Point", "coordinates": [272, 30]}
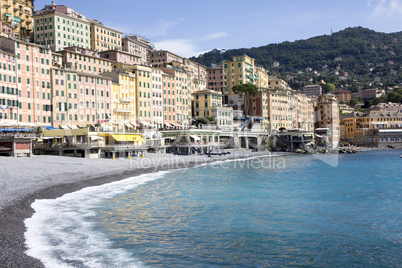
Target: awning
{"type": "Point", "coordinates": [95, 138]}
{"type": "Point", "coordinates": [48, 128]}
{"type": "Point", "coordinates": [64, 127]}
{"type": "Point", "coordinates": [17, 19]}
{"type": "Point", "coordinates": [127, 137]}
{"type": "Point", "coordinates": [145, 123]}
{"type": "Point", "coordinates": [168, 125]}
{"type": "Point", "coordinates": [72, 126]}
{"type": "Point", "coordinates": [47, 138]}
{"type": "Point", "coordinates": [196, 138]}
{"type": "Point", "coordinates": [129, 126]}
{"type": "Point", "coordinates": [134, 124]}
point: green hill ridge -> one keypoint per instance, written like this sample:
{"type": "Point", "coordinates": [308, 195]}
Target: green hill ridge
{"type": "Point", "coordinates": [349, 58]}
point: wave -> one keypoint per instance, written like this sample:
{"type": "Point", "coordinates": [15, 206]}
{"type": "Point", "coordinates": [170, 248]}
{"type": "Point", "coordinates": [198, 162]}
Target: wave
{"type": "Point", "coordinates": [61, 234]}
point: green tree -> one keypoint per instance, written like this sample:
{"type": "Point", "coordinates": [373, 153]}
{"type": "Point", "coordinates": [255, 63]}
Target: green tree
{"type": "Point", "coordinates": [247, 89]}
{"type": "Point", "coordinates": [353, 102]}
{"type": "Point", "coordinates": [329, 87]}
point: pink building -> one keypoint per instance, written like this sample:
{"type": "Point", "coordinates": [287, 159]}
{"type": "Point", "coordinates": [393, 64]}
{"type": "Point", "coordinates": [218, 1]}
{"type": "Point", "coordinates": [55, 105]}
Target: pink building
{"type": "Point", "coordinates": [214, 79]}
{"type": "Point", "coordinates": [121, 57]}
{"type": "Point", "coordinates": [161, 57]}
{"type": "Point", "coordinates": [8, 88]}
{"type": "Point", "coordinates": [84, 60]}
{"type": "Point", "coordinates": [95, 99]}
{"type": "Point", "coordinates": [32, 74]}
{"type": "Point", "coordinates": [371, 94]}
{"type": "Point", "coordinates": [157, 98]}
{"type": "Point", "coordinates": [6, 30]}
{"type": "Point", "coordinates": [62, 9]}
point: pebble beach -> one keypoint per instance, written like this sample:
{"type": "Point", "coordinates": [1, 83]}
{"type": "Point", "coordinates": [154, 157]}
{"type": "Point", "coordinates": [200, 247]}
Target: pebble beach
{"type": "Point", "coordinates": [23, 180]}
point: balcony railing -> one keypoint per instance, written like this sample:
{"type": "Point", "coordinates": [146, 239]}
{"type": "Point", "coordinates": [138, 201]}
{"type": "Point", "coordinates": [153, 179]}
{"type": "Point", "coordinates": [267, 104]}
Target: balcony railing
{"type": "Point", "coordinates": [121, 110]}
{"type": "Point", "coordinates": [125, 100]}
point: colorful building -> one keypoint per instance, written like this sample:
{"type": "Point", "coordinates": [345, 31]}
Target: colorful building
{"type": "Point", "coordinates": [343, 96]}
{"type": "Point", "coordinates": [138, 46]}
{"type": "Point", "coordinates": [6, 30]}
{"type": "Point", "coordinates": [327, 118]}
{"type": "Point", "coordinates": [32, 74]}
{"type": "Point", "coordinates": [143, 93]}
{"type": "Point", "coordinates": [215, 79]}
{"type": "Point", "coordinates": [157, 97]}
{"type": "Point", "coordinates": [9, 103]}
{"type": "Point", "coordinates": [240, 70]}
{"type": "Point", "coordinates": [18, 14]}
{"type": "Point", "coordinates": [124, 100]}
{"type": "Point", "coordinates": [204, 101]}
{"type": "Point", "coordinates": [104, 38]}
{"type": "Point", "coordinates": [177, 97]}
{"type": "Point", "coordinates": [58, 26]}
{"type": "Point", "coordinates": [122, 57]}
{"type": "Point", "coordinates": [312, 90]}
{"type": "Point", "coordinates": [86, 61]}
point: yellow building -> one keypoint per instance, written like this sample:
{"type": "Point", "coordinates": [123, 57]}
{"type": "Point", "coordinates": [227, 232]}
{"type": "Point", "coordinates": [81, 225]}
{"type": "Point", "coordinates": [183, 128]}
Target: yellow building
{"type": "Point", "coordinates": [239, 70]}
{"type": "Point", "coordinates": [104, 38]}
{"type": "Point", "coordinates": [350, 125]}
{"type": "Point", "coordinates": [124, 100]}
{"type": "Point", "coordinates": [143, 76]}
{"type": "Point", "coordinates": [18, 13]}
{"type": "Point", "coordinates": [327, 118]}
{"type": "Point", "coordinates": [205, 101]}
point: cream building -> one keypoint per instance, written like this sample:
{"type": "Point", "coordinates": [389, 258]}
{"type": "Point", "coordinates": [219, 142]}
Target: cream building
{"type": "Point", "coordinates": [58, 26]}
{"type": "Point", "coordinates": [124, 100]}
{"type": "Point", "coordinates": [104, 38]}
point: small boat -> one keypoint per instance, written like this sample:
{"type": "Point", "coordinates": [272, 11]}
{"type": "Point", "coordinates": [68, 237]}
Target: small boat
{"type": "Point", "coordinates": [400, 156]}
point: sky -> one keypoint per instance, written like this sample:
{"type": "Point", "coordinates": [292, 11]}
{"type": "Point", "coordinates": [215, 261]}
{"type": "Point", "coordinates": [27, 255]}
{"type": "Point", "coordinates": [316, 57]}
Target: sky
{"type": "Point", "coordinates": [189, 28]}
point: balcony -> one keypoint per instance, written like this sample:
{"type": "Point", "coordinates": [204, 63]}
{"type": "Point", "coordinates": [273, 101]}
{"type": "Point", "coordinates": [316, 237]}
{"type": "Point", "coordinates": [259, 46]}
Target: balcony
{"type": "Point", "coordinates": [125, 100]}
{"type": "Point", "coordinates": [121, 110]}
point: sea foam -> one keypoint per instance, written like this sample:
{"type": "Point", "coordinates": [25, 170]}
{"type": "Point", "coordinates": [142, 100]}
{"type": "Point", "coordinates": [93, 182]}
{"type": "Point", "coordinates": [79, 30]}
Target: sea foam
{"type": "Point", "coordinates": [60, 235]}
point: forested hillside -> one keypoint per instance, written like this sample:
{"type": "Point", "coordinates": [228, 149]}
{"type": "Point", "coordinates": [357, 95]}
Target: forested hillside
{"type": "Point", "coordinates": [354, 56]}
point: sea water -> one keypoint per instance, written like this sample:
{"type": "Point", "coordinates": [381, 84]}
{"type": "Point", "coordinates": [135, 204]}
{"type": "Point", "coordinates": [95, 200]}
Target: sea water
{"type": "Point", "coordinates": [293, 211]}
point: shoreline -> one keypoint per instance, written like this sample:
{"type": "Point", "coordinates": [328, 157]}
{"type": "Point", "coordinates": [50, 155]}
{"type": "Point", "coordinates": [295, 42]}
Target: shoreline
{"type": "Point", "coordinates": [15, 204]}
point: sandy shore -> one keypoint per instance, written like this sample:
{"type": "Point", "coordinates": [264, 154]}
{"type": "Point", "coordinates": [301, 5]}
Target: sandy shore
{"type": "Point", "coordinates": [23, 180]}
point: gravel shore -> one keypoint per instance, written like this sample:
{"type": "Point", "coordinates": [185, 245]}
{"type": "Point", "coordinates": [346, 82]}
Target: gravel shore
{"type": "Point", "coordinates": [23, 180]}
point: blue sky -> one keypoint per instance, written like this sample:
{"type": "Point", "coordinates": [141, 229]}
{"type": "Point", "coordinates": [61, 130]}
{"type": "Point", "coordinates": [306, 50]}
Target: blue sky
{"type": "Point", "coordinates": [190, 27]}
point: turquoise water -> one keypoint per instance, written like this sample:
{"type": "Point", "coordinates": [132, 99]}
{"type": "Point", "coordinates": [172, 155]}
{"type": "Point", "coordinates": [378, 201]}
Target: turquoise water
{"type": "Point", "coordinates": [296, 212]}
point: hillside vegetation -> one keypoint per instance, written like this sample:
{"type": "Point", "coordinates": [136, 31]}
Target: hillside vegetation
{"type": "Point", "coordinates": [354, 58]}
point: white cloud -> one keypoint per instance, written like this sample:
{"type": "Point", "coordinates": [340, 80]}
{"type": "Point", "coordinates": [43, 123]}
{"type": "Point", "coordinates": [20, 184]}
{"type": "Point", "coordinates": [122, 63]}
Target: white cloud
{"type": "Point", "coordinates": [386, 9]}
{"type": "Point", "coordinates": [215, 35]}
{"type": "Point", "coordinates": [182, 47]}
{"type": "Point", "coordinates": [163, 27]}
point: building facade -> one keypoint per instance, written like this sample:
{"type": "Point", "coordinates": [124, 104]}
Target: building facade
{"type": "Point", "coordinates": [312, 90]}
{"type": "Point", "coordinates": [343, 96]}
{"type": "Point", "coordinates": [18, 14]}
{"type": "Point", "coordinates": [215, 79]}
{"type": "Point", "coordinates": [104, 38]}
{"type": "Point", "coordinates": [327, 117]}
{"type": "Point", "coordinates": [60, 27]}
{"type": "Point", "coordinates": [138, 46]}
{"type": "Point", "coordinates": [157, 97]}
{"type": "Point", "coordinates": [9, 91]}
